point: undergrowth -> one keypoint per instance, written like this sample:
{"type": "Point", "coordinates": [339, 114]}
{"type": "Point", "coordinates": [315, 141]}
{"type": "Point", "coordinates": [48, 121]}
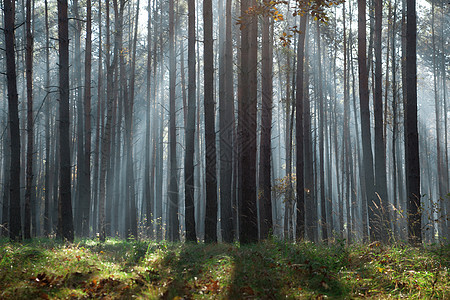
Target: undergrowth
{"type": "Point", "coordinates": [273, 269]}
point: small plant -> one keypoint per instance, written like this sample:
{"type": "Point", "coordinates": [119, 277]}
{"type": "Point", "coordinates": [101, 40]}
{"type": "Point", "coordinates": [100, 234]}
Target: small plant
{"type": "Point", "coordinates": [271, 269]}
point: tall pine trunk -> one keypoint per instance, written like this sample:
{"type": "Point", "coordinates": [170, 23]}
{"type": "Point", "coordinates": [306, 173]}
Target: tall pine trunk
{"type": "Point", "coordinates": [227, 128]}
{"type": "Point", "coordinates": [265, 183]}
{"type": "Point", "coordinates": [299, 130]}
{"type": "Point", "coordinates": [411, 132]}
{"type": "Point", "coordinates": [381, 215]}
{"type": "Point", "coordinates": [15, 226]}
{"type": "Point", "coordinates": [190, 129]}
{"type": "Point", "coordinates": [248, 225]}
{"type": "Point", "coordinates": [65, 220]}
{"type": "Point", "coordinates": [323, 204]}
{"type": "Point", "coordinates": [86, 189]}
{"type": "Point", "coordinates": [365, 117]}
{"type": "Point", "coordinates": [210, 135]}
{"type": "Point", "coordinates": [29, 169]}
{"type": "Point", "coordinates": [173, 224]}
{"type": "Point", "coordinates": [47, 218]}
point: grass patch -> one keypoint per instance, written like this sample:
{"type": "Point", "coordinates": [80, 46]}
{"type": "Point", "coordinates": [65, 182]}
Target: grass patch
{"type": "Point", "coordinates": [117, 269]}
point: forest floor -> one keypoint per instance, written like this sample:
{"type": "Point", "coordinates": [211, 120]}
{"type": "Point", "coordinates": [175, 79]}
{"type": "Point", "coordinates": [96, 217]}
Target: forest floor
{"type": "Point", "coordinates": [116, 269]}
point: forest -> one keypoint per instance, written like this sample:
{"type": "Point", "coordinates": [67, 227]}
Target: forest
{"type": "Point", "coordinates": [252, 128]}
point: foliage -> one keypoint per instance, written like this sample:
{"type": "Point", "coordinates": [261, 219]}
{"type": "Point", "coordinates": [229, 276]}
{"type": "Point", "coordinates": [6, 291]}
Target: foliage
{"type": "Point", "coordinates": [272, 269]}
{"type": "Point", "coordinates": [285, 187]}
{"type": "Point", "coordinates": [316, 8]}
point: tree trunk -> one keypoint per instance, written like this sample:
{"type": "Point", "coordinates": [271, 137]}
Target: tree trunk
{"type": "Point", "coordinates": [29, 170]}
{"type": "Point", "coordinates": [381, 200]}
{"type": "Point", "coordinates": [210, 135]}
{"type": "Point", "coordinates": [100, 117]}
{"type": "Point", "coordinates": [310, 205]}
{"type": "Point", "coordinates": [4, 230]}
{"type": "Point", "coordinates": [395, 201]}
{"type": "Point", "coordinates": [173, 181]}
{"type": "Point", "coordinates": [411, 132]}
{"type": "Point", "coordinates": [190, 129]}
{"type": "Point", "coordinates": [323, 205]}
{"type": "Point", "coordinates": [129, 105]}
{"type": "Point", "coordinates": [365, 118]}
{"type": "Point", "coordinates": [248, 225]}
{"type": "Point", "coordinates": [299, 130]}
{"type": "Point", "coordinates": [15, 226]}
{"type": "Point", "coordinates": [265, 183]}
{"type": "Point", "coordinates": [227, 128]}
{"type": "Point", "coordinates": [148, 195]}
{"type": "Point", "coordinates": [79, 137]}
{"type": "Point", "coordinates": [85, 190]}
{"type": "Point", "coordinates": [47, 220]}
{"type": "Point", "coordinates": [106, 136]}
{"type": "Point", "coordinates": [65, 221]}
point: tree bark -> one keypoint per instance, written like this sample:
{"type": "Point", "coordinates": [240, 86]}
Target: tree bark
{"type": "Point", "coordinates": [80, 183]}
{"type": "Point", "coordinates": [365, 117]}
{"type": "Point", "coordinates": [381, 198]}
{"type": "Point", "coordinates": [65, 220]}
{"type": "Point", "coordinates": [100, 117]}
{"type": "Point", "coordinates": [299, 130]}
{"type": "Point", "coordinates": [248, 224]}
{"type": "Point", "coordinates": [265, 154]}
{"type": "Point", "coordinates": [106, 136]}
{"type": "Point", "coordinates": [411, 133]}
{"type": "Point", "coordinates": [190, 129]}
{"type": "Point", "coordinates": [173, 181]}
{"type": "Point", "coordinates": [227, 128]}
{"type": "Point", "coordinates": [86, 189]}
{"type": "Point", "coordinates": [29, 169]}
{"type": "Point", "coordinates": [47, 218]}
{"type": "Point", "coordinates": [323, 204]}
{"type": "Point", "coordinates": [129, 105]}
{"type": "Point", "coordinates": [210, 135]}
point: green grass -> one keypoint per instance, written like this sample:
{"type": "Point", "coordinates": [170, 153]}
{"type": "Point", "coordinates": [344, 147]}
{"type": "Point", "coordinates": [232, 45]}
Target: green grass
{"type": "Point", "coordinates": [116, 269]}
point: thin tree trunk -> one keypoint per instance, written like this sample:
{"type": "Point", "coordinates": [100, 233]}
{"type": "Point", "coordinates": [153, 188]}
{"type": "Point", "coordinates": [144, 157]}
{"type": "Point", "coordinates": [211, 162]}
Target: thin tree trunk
{"type": "Point", "coordinates": [86, 189]}
{"type": "Point", "coordinates": [411, 132]}
{"type": "Point", "coordinates": [395, 201]}
{"type": "Point", "coordinates": [210, 135]}
{"type": "Point", "coordinates": [129, 128]}
{"type": "Point", "coordinates": [190, 129]}
{"type": "Point", "coordinates": [29, 76]}
{"type": "Point", "coordinates": [173, 181]}
{"type": "Point", "coordinates": [227, 128]}
{"type": "Point", "coordinates": [106, 136]}
{"type": "Point", "coordinates": [265, 183]}
{"type": "Point", "coordinates": [100, 117]}
{"type": "Point", "coordinates": [65, 220]}
{"type": "Point", "coordinates": [323, 205]}
{"type": "Point", "coordinates": [299, 130]}
{"type": "Point", "coordinates": [79, 137]}
{"type": "Point", "coordinates": [310, 206]}
{"type": "Point", "coordinates": [248, 225]}
{"type": "Point", "coordinates": [381, 198]}
{"type": "Point", "coordinates": [148, 195]}
{"type": "Point", "coordinates": [365, 117]}
{"type": "Point", "coordinates": [47, 220]}
{"type": "Point", "coordinates": [4, 230]}
{"type": "Point", "coordinates": [15, 226]}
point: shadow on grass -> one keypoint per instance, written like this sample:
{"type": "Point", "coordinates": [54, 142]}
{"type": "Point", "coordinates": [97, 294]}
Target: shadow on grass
{"type": "Point", "coordinates": [268, 270]}
{"type": "Point", "coordinates": [255, 275]}
{"type": "Point", "coordinates": [272, 269]}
